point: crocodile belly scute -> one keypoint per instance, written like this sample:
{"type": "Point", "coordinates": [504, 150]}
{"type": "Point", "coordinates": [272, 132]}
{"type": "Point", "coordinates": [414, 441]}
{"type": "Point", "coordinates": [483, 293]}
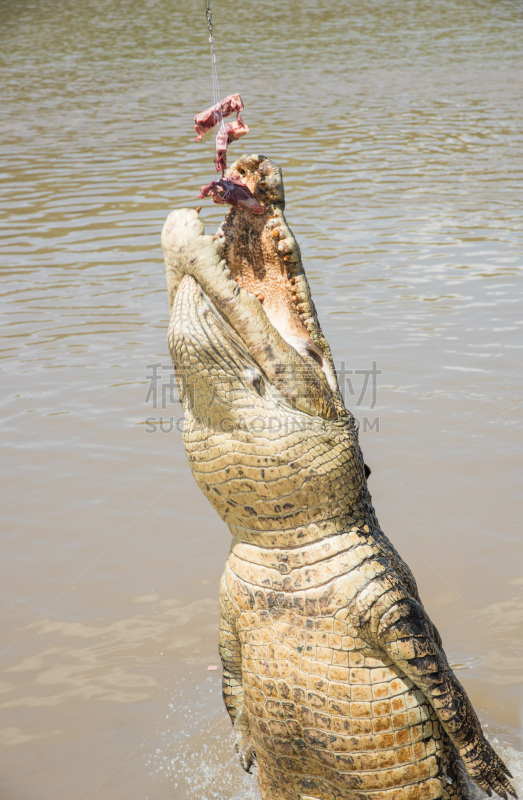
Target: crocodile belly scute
{"type": "Point", "coordinates": [328, 711]}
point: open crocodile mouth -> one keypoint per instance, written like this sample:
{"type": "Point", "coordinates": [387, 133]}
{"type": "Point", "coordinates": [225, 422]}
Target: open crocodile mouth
{"type": "Point", "coordinates": [251, 273]}
{"type": "Point", "coordinates": [264, 258]}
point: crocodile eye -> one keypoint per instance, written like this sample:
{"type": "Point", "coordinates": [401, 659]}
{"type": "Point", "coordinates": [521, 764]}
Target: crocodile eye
{"type": "Point", "coordinates": [255, 379]}
{"type": "Point", "coordinates": [241, 171]}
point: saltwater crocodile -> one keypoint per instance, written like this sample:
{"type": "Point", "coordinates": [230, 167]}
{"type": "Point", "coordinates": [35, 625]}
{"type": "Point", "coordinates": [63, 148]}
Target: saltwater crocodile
{"type": "Point", "coordinates": [334, 676]}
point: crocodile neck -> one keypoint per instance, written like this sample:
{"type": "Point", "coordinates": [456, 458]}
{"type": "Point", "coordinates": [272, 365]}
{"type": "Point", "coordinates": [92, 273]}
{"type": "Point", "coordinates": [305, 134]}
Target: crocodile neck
{"type": "Point", "coordinates": [361, 523]}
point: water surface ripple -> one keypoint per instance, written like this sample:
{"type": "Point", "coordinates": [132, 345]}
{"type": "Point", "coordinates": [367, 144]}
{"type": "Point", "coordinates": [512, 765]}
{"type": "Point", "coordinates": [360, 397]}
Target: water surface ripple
{"type": "Point", "coordinates": [399, 129]}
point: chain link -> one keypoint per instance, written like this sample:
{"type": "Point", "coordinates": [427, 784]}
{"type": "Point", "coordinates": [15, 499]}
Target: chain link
{"type": "Point", "coordinates": [215, 84]}
{"type": "Point", "coordinates": [208, 15]}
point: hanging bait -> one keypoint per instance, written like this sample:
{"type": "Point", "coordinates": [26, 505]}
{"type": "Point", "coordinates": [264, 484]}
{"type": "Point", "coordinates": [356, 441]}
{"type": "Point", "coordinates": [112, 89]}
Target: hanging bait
{"type": "Point", "coordinates": [226, 190]}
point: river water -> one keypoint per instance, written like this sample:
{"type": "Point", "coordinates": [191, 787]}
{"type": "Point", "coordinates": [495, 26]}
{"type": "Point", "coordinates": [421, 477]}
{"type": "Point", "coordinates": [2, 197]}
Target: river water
{"type": "Point", "coordinates": [399, 130]}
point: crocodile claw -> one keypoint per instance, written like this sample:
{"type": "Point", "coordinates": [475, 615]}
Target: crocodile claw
{"type": "Point", "coordinates": [487, 769]}
{"type": "Point", "coordinates": [243, 742]}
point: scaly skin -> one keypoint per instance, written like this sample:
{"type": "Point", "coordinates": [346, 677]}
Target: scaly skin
{"type": "Point", "coordinates": [334, 676]}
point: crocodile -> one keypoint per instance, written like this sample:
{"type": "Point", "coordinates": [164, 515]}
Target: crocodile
{"type": "Point", "coordinates": [334, 677]}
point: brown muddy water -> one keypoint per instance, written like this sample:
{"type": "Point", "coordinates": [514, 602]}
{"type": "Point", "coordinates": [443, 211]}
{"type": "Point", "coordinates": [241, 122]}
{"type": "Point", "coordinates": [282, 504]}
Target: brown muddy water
{"type": "Point", "coordinates": [399, 130]}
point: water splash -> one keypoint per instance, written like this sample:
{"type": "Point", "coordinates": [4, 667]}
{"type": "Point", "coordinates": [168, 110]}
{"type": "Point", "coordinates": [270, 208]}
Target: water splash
{"type": "Point", "coordinates": [194, 750]}
{"type": "Point", "coordinates": [512, 757]}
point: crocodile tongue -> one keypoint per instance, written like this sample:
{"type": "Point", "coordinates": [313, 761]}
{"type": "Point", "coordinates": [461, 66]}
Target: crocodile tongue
{"type": "Point", "coordinates": [274, 287]}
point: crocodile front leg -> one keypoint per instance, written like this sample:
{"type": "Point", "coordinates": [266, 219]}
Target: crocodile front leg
{"type": "Point", "coordinates": [232, 687]}
{"type": "Point", "coordinates": [273, 785]}
{"type": "Point", "coordinates": [400, 625]}
{"type": "Point", "coordinates": [407, 637]}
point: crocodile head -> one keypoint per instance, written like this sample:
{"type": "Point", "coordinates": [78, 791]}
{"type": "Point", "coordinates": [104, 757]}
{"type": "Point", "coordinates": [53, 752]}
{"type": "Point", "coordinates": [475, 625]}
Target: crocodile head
{"type": "Point", "coordinates": [255, 373]}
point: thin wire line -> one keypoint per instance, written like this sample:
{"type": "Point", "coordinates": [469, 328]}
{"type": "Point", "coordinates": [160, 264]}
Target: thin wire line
{"type": "Point", "coordinates": [215, 82]}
